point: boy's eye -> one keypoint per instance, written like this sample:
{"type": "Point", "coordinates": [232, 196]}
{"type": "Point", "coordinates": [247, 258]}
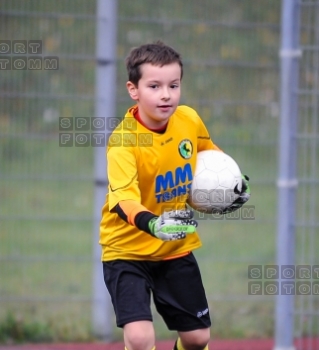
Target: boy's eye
{"type": "Point", "coordinates": [153, 86]}
{"type": "Point", "coordinates": [174, 86]}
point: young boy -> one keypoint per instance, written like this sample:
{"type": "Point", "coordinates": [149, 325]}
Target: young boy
{"type": "Point", "coordinates": [147, 234]}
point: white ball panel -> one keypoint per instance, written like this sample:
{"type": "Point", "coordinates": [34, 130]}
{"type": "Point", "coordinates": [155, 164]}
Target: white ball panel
{"type": "Point", "coordinates": [215, 178]}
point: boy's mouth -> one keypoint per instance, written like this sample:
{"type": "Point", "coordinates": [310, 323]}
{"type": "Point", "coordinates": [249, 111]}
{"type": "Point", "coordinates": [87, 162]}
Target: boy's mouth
{"type": "Point", "coordinates": [164, 106]}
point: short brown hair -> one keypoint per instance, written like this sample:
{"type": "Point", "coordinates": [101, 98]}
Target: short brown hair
{"type": "Point", "coordinates": [157, 54]}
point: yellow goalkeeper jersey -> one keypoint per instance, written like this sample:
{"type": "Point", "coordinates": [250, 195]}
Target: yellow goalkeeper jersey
{"type": "Point", "coordinates": [155, 170]}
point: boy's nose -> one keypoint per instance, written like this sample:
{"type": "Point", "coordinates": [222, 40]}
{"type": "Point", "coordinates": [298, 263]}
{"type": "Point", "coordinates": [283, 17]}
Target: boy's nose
{"type": "Point", "coordinates": [165, 94]}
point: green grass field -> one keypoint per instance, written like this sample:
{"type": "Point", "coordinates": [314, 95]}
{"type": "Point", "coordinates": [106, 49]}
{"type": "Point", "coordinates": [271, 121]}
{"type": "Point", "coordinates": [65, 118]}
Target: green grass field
{"type": "Point", "coordinates": [50, 276]}
{"type": "Point", "coordinates": [46, 252]}
{"type": "Point", "coordinates": [46, 191]}
{"type": "Point", "coordinates": [47, 238]}
{"type": "Point", "coordinates": [47, 242]}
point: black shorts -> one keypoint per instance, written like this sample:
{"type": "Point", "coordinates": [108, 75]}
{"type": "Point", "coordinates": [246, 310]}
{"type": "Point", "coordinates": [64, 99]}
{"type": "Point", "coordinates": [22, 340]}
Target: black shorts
{"type": "Point", "coordinates": [177, 289]}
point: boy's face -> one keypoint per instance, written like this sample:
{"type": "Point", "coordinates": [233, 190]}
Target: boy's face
{"type": "Point", "coordinates": [157, 94]}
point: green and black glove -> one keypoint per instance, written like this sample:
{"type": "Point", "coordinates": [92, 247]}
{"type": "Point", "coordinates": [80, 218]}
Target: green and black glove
{"type": "Point", "coordinates": [244, 196]}
{"type": "Point", "coordinates": [173, 225]}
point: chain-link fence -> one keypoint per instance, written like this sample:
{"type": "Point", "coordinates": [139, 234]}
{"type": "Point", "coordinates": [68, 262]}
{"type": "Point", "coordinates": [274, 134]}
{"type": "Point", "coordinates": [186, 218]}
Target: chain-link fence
{"type": "Point", "coordinates": [307, 224]}
{"type": "Point", "coordinates": [230, 52]}
{"type": "Point", "coordinates": [46, 190]}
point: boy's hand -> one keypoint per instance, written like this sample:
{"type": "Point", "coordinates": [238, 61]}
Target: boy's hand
{"type": "Point", "coordinates": [173, 225]}
{"type": "Point", "coordinates": [244, 196]}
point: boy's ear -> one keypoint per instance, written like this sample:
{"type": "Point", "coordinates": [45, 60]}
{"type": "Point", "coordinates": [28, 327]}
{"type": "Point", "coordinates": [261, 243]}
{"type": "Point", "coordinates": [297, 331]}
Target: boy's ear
{"type": "Point", "coordinates": [132, 90]}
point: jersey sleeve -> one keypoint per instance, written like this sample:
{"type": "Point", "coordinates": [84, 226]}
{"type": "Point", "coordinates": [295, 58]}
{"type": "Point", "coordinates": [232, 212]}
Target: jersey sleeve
{"type": "Point", "coordinates": [122, 176]}
{"type": "Point", "coordinates": [204, 142]}
{"type": "Point", "coordinates": [135, 214]}
{"type": "Point", "coordinates": [124, 192]}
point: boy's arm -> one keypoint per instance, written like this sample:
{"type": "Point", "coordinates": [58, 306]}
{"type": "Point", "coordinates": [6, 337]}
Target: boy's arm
{"type": "Point", "coordinates": [169, 226]}
{"type": "Point", "coordinates": [135, 214]}
{"type": "Point", "coordinates": [124, 192]}
{"type": "Point", "coordinates": [204, 142]}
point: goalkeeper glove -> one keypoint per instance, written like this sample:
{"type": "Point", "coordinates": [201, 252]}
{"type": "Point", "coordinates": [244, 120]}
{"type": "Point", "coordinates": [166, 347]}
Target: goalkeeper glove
{"type": "Point", "coordinates": [173, 225]}
{"type": "Point", "coordinates": [244, 196]}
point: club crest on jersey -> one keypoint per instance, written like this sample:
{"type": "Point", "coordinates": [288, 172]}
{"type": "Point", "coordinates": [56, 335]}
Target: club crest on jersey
{"type": "Point", "coordinates": [185, 148]}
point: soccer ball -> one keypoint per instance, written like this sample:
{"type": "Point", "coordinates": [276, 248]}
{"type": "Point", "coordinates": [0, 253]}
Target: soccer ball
{"type": "Point", "coordinates": [217, 182]}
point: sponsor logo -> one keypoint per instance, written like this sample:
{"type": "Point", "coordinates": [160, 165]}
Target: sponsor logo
{"type": "Point", "coordinates": [185, 149]}
{"type": "Point", "coordinates": [202, 313]}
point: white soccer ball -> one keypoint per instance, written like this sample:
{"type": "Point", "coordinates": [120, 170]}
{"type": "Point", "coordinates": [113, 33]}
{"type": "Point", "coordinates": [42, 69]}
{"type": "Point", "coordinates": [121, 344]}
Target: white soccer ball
{"type": "Point", "coordinates": [216, 182]}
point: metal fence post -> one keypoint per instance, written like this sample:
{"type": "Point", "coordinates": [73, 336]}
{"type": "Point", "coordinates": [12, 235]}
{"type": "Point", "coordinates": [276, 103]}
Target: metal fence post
{"type": "Point", "coordinates": [105, 108]}
{"type": "Point", "coordinates": [287, 182]}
